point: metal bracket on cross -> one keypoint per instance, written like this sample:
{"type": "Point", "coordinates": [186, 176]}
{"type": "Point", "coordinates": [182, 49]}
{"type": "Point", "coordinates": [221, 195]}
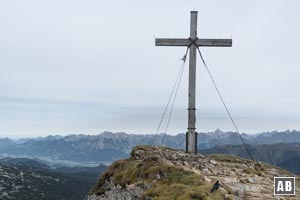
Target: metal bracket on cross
{"type": "Point", "coordinates": [193, 41]}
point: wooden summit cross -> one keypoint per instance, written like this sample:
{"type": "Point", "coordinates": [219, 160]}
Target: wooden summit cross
{"type": "Point", "coordinates": [193, 43]}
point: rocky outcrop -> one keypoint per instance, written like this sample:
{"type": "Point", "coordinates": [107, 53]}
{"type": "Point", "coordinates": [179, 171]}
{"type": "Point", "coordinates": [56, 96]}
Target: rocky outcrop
{"type": "Point", "coordinates": [130, 192]}
{"type": "Point", "coordinates": [163, 173]}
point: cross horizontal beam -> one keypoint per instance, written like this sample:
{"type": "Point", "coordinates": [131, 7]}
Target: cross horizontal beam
{"type": "Point", "coordinates": [198, 42]}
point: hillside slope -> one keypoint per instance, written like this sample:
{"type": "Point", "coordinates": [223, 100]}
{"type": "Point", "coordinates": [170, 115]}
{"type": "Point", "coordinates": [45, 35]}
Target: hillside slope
{"type": "Point", "coordinates": [25, 182]}
{"type": "Point", "coordinates": [270, 153]}
{"type": "Point", "coordinates": [292, 165]}
{"type": "Point", "coordinates": [174, 174]}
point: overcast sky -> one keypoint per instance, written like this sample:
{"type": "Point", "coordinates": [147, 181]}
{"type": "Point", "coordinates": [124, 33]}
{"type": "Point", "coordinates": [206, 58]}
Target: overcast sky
{"type": "Point", "coordinates": [69, 67]}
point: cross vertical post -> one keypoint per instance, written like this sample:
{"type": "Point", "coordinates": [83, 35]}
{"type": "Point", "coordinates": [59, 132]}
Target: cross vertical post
{"type": "Point", "coordinates": [191, 137]}
{"type": "Point", "coordinates": [193, 43]}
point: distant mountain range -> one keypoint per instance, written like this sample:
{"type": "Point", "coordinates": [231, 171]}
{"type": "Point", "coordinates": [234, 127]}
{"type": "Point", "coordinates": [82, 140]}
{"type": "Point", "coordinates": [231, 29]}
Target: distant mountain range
{"type": "Point", "coordinates": [66, 167]}
{"type": "Point", "coordinates": [90, 150]}
{"type": "Point", "coordinates": [23, 178]}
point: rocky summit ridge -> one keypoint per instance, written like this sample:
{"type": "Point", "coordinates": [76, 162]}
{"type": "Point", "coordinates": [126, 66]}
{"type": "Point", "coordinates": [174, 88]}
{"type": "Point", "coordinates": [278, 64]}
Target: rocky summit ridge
{"type": "Point", "coordinates": [174, 174]}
